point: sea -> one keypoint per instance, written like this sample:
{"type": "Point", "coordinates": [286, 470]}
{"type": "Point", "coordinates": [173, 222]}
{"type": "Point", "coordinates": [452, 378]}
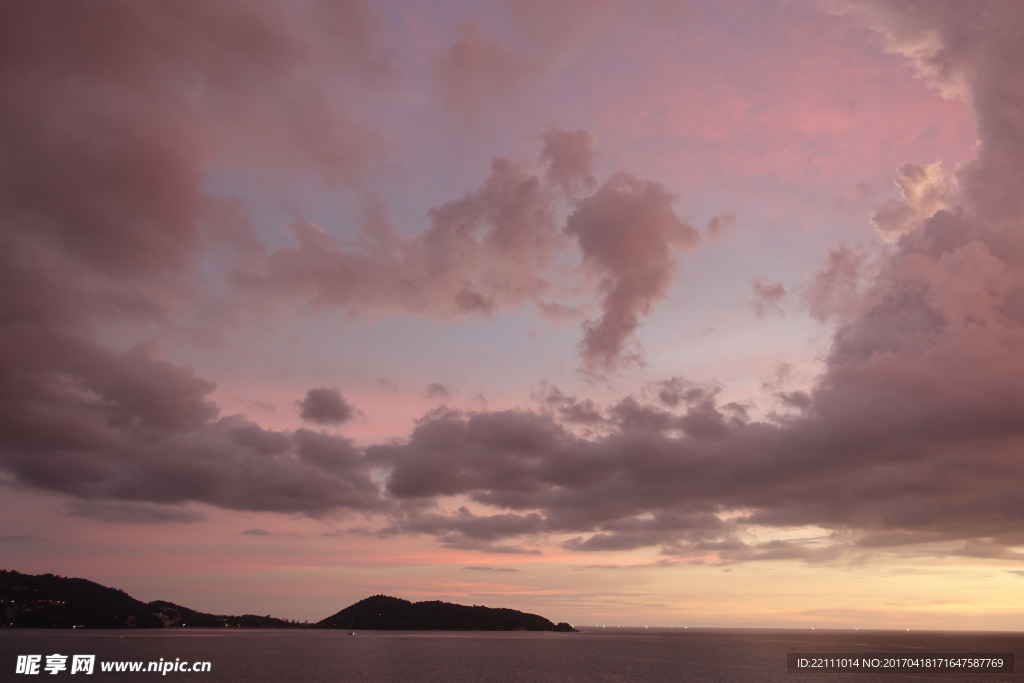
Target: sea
{"type": "Point", "coordinates": [594, 654]}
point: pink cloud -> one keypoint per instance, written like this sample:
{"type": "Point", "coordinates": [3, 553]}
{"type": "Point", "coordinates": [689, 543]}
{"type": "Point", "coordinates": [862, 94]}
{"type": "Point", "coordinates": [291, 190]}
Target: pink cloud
{"type": "Point", "coordinates": [499, 247]}
{"type": "Point", "coordinates": [627, 232]}
{"type": "Point", "coordinates": [570, 159]}
{"type": "Point", "coordinates": [923, 193]}
{"type": "Point", "coordinates": [834, 290]}
{"type": "Point", "coordinates": [768, 297]}
{"type": "Point", "coordinates": [475, 73]}
{"type": "Point", "coordinates": [487, 249]}
{"type": "Point", "coordinates": [478, 76]}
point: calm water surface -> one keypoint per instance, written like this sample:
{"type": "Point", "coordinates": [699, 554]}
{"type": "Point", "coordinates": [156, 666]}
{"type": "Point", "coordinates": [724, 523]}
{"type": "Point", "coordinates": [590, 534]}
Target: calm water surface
{"type": "Point", "coordinates": [597, 655]}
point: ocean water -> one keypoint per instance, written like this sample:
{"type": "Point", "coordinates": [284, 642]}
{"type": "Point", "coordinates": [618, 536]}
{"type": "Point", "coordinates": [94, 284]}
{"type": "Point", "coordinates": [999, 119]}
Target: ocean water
{"type": "Point", "coordinates": [592, 655]}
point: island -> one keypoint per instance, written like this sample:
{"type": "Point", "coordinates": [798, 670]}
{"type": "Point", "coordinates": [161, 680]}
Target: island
{"type": "Point", "coordinates": [49, 601]}
{"type": "Point", "coordinates": [383, 612]}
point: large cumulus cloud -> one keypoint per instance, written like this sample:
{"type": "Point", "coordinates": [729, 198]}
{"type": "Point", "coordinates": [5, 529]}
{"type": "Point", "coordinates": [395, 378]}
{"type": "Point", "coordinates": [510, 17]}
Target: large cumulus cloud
{"type": "Point", "coordinates": [627, 231]}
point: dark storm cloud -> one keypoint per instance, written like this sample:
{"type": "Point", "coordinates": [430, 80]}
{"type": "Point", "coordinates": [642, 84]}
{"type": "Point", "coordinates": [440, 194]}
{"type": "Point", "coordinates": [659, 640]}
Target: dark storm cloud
{"type": "Point", "coordinates": [676, 390]}
{"type": "Point", "coordinates": [318, 473]}
{"type": "Point", "coordinates": [572, 410]}
{"type": "Point", "coordinates": [325, 406]}
{"type": "Point", "coordinates": [795, 399]}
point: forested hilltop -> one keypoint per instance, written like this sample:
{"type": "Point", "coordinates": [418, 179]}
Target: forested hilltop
{"type": "Point", "coordinates": [49, 601]}
{"type": "Point", "coordinates": [387, 613]}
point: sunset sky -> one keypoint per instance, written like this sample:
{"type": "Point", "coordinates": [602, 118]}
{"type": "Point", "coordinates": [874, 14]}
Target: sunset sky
{"type": "Point", "coordinates": [665, 312]}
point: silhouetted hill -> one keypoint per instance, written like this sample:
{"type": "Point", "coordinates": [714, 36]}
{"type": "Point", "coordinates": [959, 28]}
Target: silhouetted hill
{"type": "Point", "coordinates": [387, 613]}
{"type": "Point", "coordinates": [56, 601]}
{"type": "Point", "coordinates": [48, 601]}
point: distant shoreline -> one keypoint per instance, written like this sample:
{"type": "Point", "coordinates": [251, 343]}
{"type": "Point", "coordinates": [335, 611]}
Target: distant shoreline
{"type": "Point", "coordinates": [47, 601]}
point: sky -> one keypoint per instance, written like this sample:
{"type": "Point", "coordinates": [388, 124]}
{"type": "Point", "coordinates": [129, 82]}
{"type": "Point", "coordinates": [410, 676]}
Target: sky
{"type": "Point", "coordinates": [643, 313]}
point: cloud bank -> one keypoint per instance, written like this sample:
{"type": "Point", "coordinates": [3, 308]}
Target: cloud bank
{"type": "Point", "coordinates": [912, 433]}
